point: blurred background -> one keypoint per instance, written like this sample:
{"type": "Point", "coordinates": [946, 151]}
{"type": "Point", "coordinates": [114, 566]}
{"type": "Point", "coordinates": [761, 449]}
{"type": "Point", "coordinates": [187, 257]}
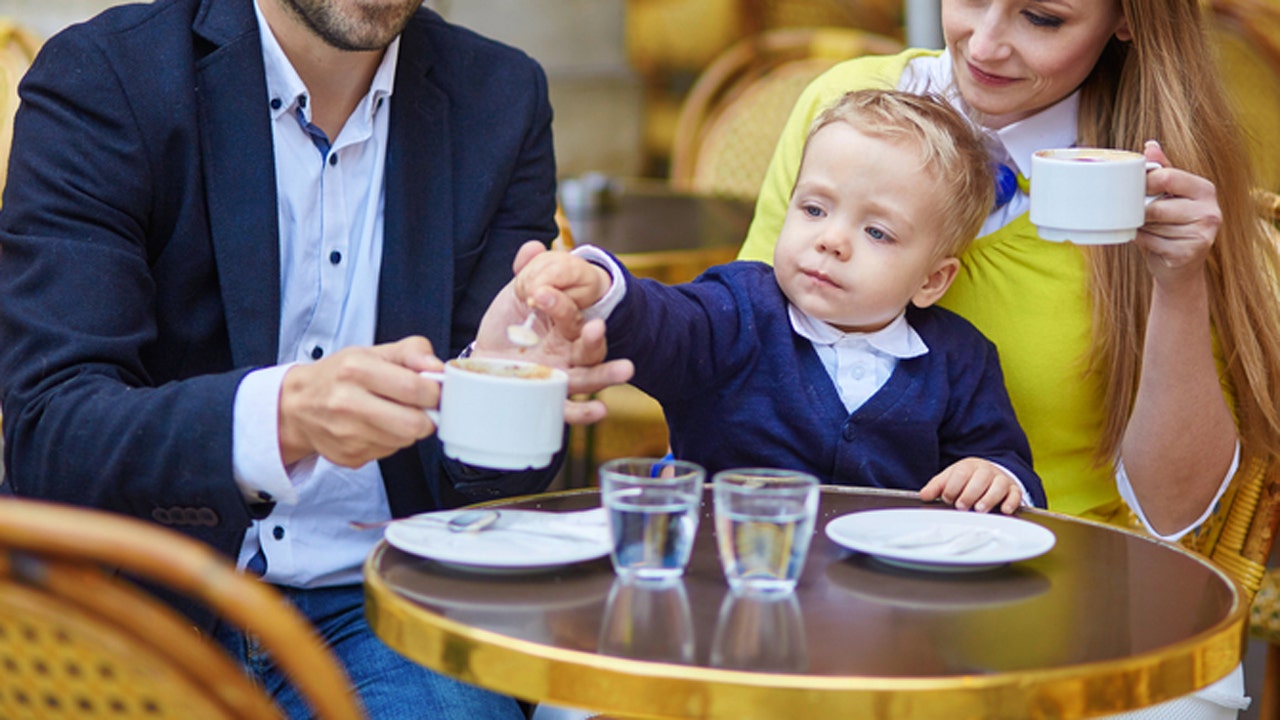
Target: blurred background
{"type": "Point", "coordinates": [618, 69]}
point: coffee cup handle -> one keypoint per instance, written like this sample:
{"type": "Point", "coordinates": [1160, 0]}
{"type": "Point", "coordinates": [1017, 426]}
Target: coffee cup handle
{"type": "Point", "coordinates": [1147, 200]}
{"type": "Point", "coordinates": [438, 377]}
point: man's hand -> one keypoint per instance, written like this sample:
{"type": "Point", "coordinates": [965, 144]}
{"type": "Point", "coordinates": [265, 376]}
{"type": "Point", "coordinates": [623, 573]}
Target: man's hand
{"type": "Point", "coordinates": [359, 404]}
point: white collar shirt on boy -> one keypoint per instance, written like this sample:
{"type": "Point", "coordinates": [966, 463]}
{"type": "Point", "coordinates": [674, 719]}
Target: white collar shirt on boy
{"type": "Point", "coordinates": [858, 363]}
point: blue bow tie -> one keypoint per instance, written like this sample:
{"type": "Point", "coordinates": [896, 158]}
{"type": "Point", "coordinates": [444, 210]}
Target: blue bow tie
{"type": "Point", "coordinates": [1006, 181]}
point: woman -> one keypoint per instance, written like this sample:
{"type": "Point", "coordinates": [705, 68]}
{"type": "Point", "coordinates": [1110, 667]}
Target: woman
{"type": "Point", "coordinates": [1116, 357]}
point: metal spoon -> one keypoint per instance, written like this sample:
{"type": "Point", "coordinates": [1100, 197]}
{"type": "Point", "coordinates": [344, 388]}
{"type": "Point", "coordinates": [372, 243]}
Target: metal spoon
{"type": "Point", "coordinates": [467, 521]}
{"type": "Point", "coordinates": [523, 335]}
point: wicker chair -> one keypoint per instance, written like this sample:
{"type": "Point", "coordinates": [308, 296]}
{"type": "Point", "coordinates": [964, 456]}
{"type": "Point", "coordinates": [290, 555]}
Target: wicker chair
{"type": "Point", "coordinates": [731, 120]}
{"type": "Point", "coordinates": [1239, 535]}
{"type": "Point", "coordinates": [78, 640]}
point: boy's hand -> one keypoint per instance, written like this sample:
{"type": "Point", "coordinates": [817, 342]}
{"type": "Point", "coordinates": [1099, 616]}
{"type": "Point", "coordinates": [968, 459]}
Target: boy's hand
{"type": "Point", "coordinates": [974, 483]}
{"type": "Point", "coordinates": [543, 275]}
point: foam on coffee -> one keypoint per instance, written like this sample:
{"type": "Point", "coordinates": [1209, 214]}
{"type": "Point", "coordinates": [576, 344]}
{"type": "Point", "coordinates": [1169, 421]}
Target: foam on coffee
{"type": "Point", "coordinates": [523, 371]}
{"type": "Point", "coordinates": [1088, 155]}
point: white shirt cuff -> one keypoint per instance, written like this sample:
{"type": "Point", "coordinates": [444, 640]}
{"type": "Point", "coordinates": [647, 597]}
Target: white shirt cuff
{"type": "Point", "coordinates": [255, 438]}
{"type": "Point", "coordinates": [1126, 492]}
{"type": "Point", "coordinates": [1026, 499]}
{"type": "Point", "coordinates": [617, 289]}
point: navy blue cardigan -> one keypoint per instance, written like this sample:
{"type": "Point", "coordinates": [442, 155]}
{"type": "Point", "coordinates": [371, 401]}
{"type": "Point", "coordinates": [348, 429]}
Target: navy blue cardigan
{"type": "Point", "coordinates": [740, 388]}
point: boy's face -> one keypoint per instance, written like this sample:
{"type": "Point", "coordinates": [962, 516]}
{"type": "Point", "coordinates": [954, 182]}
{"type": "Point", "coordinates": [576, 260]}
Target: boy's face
{"type": "Point", "coordinates": [860, 236]}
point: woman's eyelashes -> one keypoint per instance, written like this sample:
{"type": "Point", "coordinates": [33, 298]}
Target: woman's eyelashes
{"type": "Point", "coordinates": [1044, 21]}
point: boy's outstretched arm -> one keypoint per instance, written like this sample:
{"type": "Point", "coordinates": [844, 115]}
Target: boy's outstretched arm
{"type": "Point", "coordinates": [974, 483]}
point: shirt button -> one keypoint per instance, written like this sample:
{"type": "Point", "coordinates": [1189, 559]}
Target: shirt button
{"type": "Point", "coordinates": [277, 532]}
{"type": "Point", "coordinates": [333, 158]}
{"type": "Point", "coordinates": [335, 257]}
{"type": "Point", "coordinates": [858, 372]}
{"type": "Point", "coordinates": [317, 352]}
{"type": "Point", "coordinates": [276, 103]}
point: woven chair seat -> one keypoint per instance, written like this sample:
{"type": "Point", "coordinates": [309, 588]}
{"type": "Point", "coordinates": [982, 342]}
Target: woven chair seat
{"type": "Point", "coordinates": [1264, 615]}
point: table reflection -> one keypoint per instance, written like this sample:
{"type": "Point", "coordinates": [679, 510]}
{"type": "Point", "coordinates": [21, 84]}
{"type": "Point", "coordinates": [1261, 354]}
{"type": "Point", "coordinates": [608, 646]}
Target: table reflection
{"type": "Point", "coordinates": [648, 621]}
{"type": "Point", "coordinates": [760, 632]}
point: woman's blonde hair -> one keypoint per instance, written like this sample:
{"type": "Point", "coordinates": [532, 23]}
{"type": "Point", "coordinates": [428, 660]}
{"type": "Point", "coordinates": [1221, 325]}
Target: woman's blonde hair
{"type": "Point", "coordinates": [1163, 85]}
{"type": "Point", "coordinates": [951, 153]}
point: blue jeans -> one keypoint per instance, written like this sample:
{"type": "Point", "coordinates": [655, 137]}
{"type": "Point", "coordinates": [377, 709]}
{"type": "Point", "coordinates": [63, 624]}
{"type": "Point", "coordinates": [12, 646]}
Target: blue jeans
{"type": "Point", "coordinates": [390, 687]}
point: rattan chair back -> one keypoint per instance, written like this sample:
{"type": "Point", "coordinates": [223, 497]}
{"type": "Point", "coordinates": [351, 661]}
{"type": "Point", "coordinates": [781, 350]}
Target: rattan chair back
{"type": "Point", "coordinates": [733, 116]}
{"type": "Point", "coordinates": [79, 640]}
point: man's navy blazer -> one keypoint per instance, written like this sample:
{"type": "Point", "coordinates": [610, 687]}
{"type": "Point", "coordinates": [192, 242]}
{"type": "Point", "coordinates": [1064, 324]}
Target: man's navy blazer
{"type": "Point", "coordinates": [139, 265]}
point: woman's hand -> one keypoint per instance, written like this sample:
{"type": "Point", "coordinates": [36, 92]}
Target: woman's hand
{"type": "Point", "coordinates": [1182, 225]}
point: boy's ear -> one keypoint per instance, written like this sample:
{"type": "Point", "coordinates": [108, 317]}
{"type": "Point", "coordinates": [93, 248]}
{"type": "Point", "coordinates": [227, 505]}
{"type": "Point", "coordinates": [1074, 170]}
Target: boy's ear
{"type": "Point", "coordinates": [936, 283]}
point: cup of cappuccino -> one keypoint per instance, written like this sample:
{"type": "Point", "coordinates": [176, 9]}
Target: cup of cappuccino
{"type": "Point", "coordinates": [1089, 196]}
{"type": "Point", "coordinates": [500, 414]}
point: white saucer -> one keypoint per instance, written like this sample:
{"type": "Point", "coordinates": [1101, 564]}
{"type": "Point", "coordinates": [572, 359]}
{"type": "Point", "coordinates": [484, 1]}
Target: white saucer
{"type": "Point", "coordinates": [901, 537]}
{"type": "Point", "coordinates": [520, 541]}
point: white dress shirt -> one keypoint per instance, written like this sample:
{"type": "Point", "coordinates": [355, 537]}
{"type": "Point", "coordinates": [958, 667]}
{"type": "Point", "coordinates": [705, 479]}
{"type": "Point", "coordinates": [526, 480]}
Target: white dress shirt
{"type": "Point", "coordinates": [331, 225]}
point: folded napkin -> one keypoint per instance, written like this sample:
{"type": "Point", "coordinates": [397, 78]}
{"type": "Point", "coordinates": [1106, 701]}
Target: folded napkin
{"type": "Point", "coordinates": [582, 526]}
{"type": "Point", "coordinates": [946, 539]}
{"type": "Point", "coordinates": [591, 525]}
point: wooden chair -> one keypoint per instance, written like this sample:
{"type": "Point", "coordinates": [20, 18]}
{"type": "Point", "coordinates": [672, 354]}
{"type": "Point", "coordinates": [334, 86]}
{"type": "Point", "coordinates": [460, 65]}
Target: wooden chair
{"type": "Point", "coordinates": [78, 640]}
{"type": "Point", "coordinates": [18, 47]}
{"type": "Point", "coordinates": [733, 116]}
{"type": "Point", "coordinates": [563, 241]}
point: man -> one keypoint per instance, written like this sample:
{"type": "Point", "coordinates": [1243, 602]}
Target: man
{"type": "Point", "coordinates": [232, 235]}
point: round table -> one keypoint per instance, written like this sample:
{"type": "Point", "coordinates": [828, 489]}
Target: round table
{"type": "Point", "coordinates": [1108, 620]}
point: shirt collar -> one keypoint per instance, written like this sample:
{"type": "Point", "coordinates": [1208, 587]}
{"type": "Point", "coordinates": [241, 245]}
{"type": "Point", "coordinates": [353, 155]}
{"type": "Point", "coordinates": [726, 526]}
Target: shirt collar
{"type": "Point", "coordinates": [283, 82]}
{"type": "Point", "coordinates": [1053, 127]}
{"type": "Point", "coordinates": [897, 339]}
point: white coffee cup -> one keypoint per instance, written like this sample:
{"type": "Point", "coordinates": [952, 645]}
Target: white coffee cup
{"type": "Point", "coordinates": [500, 414]}
{"type": "Point", "coordinates": [1089, 196]}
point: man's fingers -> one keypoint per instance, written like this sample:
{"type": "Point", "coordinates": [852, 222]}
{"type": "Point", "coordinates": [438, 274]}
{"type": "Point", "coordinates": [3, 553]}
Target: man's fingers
{"type": "Point", "coordinates": [592, 379]}
{"type": "Point", "coordinates": [584, 412]}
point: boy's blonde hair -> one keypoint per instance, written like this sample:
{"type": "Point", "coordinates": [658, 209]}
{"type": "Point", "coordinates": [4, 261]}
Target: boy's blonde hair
{"type": "Point", "coordinates": [952, 153]}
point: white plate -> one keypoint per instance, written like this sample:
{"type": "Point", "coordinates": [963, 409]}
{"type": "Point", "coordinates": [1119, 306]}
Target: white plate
{"type": "Point", "coordinates": [940, 540]}
{"type": "Point", "coordinates": [520, 541]}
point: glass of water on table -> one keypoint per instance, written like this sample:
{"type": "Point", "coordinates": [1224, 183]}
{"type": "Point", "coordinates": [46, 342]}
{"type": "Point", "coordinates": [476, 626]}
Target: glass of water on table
{"type": "Point", "coordinates": [764, 522]}
{"type": "Point", "coordinates": [653, 506]}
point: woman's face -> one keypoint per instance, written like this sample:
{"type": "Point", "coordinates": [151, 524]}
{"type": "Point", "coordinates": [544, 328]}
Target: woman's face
{"type": "Point", "coordinates": [1013, 58]}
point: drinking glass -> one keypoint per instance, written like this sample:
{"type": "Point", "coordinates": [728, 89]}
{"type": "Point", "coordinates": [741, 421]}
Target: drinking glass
{"type": "Point", "coordinates": [764, 521]}
{"type": "Point", "coordinates": [653, 514]}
